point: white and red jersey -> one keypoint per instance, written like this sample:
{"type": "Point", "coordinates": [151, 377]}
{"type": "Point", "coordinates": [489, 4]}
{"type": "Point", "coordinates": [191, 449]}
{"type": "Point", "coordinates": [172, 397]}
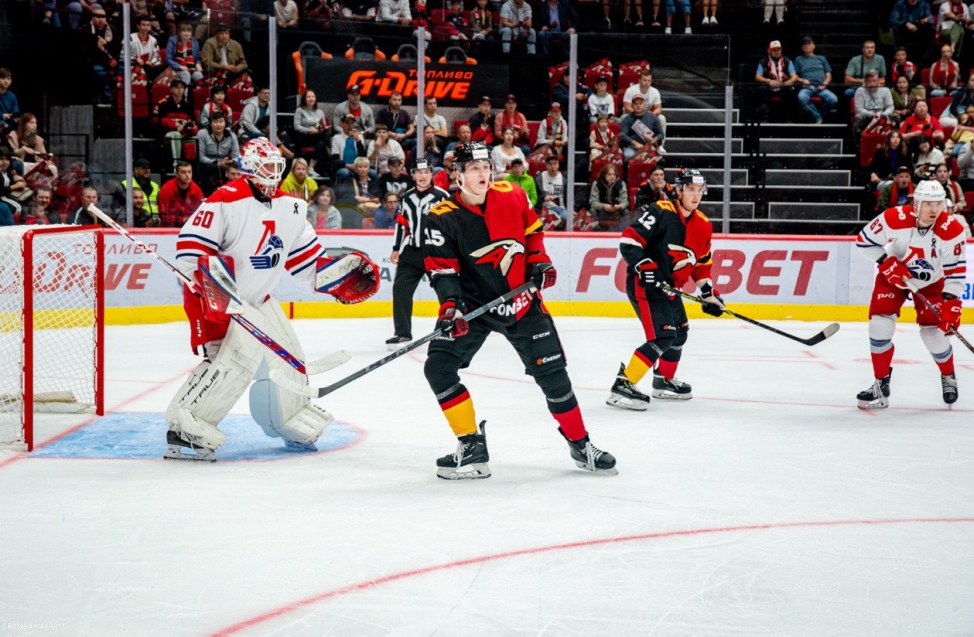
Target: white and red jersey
{"type": "Point", "coordinates": [931, 255]}
{"type": "Point", "coordinates": [146, 52]}
{"type": "Point", "coordinates": [265, 238]}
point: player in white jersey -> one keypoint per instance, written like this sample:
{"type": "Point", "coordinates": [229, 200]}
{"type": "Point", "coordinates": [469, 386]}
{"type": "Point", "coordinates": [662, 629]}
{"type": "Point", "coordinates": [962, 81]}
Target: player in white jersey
{"type": "Point", "coordinates": [925, 245]}
{"type": "Point", "coordinates": [259, 232]}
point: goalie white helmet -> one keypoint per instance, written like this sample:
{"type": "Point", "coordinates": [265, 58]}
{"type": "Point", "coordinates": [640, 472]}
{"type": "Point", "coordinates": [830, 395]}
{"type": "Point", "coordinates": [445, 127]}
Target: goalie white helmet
{"type": "Point", "coordinates": [262, 163]}
{"type": "Point", "coordinates": [929, 190]}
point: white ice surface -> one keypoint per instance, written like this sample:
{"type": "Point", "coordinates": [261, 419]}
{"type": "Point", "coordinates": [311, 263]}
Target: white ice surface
{"type": "Point", "coordinates": [772, 441]}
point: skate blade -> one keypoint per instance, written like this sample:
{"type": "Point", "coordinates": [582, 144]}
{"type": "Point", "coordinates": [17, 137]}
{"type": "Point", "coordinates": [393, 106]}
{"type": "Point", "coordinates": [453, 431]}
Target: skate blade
{"type": "Point", "coordinates": [175, 452]}
{"type": "Point", "coordinates": [664, 394]}
{"type": "Point", "coordinates": [598, 472]}
{"type": "Point", "coordinates": [879, 404]}
{"type": "Point", "coordinates": [475, 471]}
{"type": "Point", "coordinates": [307, 447]}
{"type": "Point", "coordinates": [626, 403]}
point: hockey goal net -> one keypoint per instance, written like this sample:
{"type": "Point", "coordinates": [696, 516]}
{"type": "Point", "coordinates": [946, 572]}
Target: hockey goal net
{"type": "Point", "coordinates": [51, 326]}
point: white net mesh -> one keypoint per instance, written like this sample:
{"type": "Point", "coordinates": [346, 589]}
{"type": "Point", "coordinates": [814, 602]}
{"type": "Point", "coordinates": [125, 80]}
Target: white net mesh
{"type": "Point", "coordinates": [64, 330]}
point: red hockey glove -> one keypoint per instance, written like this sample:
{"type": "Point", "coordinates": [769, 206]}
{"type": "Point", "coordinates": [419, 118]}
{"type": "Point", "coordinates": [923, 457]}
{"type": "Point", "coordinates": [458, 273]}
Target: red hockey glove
{"type": "Point", "coordinates": [950, 310]}
{"type": "Point", "coordinates": [713, 304]}
{"type": "Point", "coordinates": [894, 271]}
{"type": "Point", "coordinates": [450, 318]}
{"type": "Point", "coordinates": [646, 271]}
{"type": "Point", "coordinates": [543, 274]}
{"type": "Point", "coordinates": [351, 278]}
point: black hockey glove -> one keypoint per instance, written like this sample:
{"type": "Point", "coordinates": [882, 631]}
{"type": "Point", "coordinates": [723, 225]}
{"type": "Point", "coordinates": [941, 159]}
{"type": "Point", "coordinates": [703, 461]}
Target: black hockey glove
{"type": "Point", "coordinates": [450, 319]}
{"type": "Point", "coordinates": [646, 271]}
{"type": "Point", "coordinates": [713, 304]}
{"type": "Point", "coordinates": [543, 274]}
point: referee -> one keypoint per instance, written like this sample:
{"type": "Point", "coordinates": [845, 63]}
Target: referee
{"type": "Point", "coordinates": [407, 251]}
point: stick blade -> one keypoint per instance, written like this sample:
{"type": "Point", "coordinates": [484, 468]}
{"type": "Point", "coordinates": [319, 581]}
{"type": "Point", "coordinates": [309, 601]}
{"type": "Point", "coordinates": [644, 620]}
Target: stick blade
{"type": "Point", "coordinates": [829, 331]}
{"type": "Point", "coordinates": [331, 361]}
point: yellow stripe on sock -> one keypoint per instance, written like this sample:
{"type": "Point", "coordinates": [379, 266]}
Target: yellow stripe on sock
{"type": "Point", "coordinates": [461, 417]}
{"type": "Point", "coordinates": [636, 369]}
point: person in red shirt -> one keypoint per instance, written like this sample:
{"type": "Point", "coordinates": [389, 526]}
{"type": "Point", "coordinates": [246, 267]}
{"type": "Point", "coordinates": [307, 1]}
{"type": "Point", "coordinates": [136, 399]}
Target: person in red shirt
{"type": "Point", "coordinates": [902, 66]}
{"type": "Point", "coordinates": [510, 117]}
{"type": "Point", "coordinates": [179, 197]}
{"type": "Point", "coordinates": [944, 74]}
{"type": "Point", "coordinates": [922, 123]}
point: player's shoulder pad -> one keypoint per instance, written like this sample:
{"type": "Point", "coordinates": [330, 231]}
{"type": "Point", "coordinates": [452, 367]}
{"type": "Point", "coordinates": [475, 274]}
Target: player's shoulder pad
{"type": "Point", "coordinates": [900, 217]}
{"type": "Point", "coordinates": [236, 190]}
{"type": "Point", "coordinates": [664, 204]}
{"type": "Point", "coordinates": [502, 186]}
{"type": "Point", "coordinates": [948, 228]}
{"type": "Point", "coordinates": [701, 217]}
{"type": "Point", "coordinates": [443, 194]}
{"type": "Point", "coordinates": [444, 207]}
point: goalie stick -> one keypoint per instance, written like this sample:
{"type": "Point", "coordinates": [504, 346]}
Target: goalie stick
{"type": "Point", "coordinates": [314, 367]}
{"type": "Point", "coordinates": [814, 340]}
{"type": "Point", "coordinates": [933, 309]}
{"type": "Point", "coordinates": [317, 392]}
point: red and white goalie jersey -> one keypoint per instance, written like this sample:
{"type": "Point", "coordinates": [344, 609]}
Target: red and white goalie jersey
{"type": "Point", "coordinates": [931, 254]}
{"type": "Point", "coordinates": [263, 236]}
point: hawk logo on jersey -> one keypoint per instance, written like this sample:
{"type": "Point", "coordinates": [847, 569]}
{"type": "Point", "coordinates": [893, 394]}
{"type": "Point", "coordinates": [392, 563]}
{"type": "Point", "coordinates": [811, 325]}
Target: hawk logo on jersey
{"type": "Point", "coordinates": [921, 269]}
{"type": "Point", "coordinates": [682, 256]}
{"type": "Point", "coordinates": [500, 254]}
{"type": "Point", "coordinates": [270, 256]}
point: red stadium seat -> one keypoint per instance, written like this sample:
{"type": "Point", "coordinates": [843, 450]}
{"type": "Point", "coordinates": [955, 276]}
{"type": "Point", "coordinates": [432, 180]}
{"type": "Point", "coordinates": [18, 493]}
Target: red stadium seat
{"type": "Point", "coordinates": [938, 105]}
{"type": "Point", "coordinates": [925, 78]}
{"type": "Point", "coordinates": [871, 142]}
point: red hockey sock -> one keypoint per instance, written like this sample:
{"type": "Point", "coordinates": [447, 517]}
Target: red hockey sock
{"type": "Point", "coordinates": [946, 367]}
{"type": "Point", "coordinates": [666, 369]}
{"type": "Point", "coordinates": [882, 363]}
{"type": "Point", "coordinates": [571, 425]}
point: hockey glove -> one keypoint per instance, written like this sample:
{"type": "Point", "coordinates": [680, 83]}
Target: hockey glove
{"type": "Point", "coordinates": [894, 272]}
{"type": "Point", "coordinates": [350, 278]}
{"type": "Point", "coordinates": [450, 319]}
{"type": "Point", "coordinates": [646, 271]}
{"type": "Point", "coordinates": [950, 314]}
{"type": "Point", "coordinates": [713, 304]}
{"type": "Point", "coordinates": [543, 274]}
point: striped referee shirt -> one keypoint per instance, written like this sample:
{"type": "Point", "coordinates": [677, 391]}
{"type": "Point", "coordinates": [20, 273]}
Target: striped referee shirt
{"type": "Point", "coordinates": [413, 208]}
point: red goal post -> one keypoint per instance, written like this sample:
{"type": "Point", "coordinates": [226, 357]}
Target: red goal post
{"type": "Point", "coordinates": [52, 326]}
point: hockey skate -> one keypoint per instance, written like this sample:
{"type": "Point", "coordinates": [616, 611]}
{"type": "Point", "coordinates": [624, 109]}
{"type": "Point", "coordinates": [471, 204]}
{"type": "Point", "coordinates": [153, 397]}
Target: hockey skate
{"type": "Point", "coordinates": [671, 388]}
{"type": "Point", "coordinates": [469, 461]}
{"type": "Point", "coordinates": [398, 342]}
{"type": "Point", "coordinates": [192, 439]}
{"type": "Point", "coordinates": [877, 396]}
{"type": "Point", "coordinates": [590, 458]}
{"type": "Point", "coordinates": [180, 449]}
{"type": "Point", "coordinates": [948, 383]}
{"type": "Point", "coordinates": [624, 394]}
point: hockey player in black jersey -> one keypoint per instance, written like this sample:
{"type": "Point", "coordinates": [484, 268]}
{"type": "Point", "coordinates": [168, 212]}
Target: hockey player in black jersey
{"type": "Point", "coordinates": [480, 244]}
{"type": "Point", "coordinates": [407, 251]}
{"type": "Point", "coordinates": [668, 243]}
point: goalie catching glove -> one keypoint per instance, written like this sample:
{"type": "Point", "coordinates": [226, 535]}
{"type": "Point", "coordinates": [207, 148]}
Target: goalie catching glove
{"type": "Point", "coordinates": [351, 278]}
{"type": "Point", "coordinates": [712, 303]}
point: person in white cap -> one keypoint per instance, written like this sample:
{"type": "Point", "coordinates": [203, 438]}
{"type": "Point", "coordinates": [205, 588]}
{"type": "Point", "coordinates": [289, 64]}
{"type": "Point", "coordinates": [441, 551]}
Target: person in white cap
{"type": "Point", "coordinates": [777, 78]}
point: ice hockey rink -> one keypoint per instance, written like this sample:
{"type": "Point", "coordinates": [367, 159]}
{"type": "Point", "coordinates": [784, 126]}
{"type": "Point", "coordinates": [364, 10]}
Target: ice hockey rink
{"type": "Point", "coordinates": [767, 505]}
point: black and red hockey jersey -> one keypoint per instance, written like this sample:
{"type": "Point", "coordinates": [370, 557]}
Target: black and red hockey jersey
{"type": "Point", "coordinates": [679, 245]}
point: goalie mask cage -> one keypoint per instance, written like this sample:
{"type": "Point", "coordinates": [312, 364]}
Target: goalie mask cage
{"type": "Point", "coordinates": [51, 326]}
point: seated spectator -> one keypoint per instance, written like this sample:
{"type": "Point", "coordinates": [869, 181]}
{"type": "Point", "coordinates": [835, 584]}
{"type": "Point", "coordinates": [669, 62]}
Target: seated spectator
{"type": "Point", "coordinates": [286, 12]}
{"type": "Point", "coordinates": [563, 94]}
{"type": "Point", "coordinates": [482, 26]}
{"type": "Point", "coordinates": [516, 24]}
{"type": "Point", "coordinates": [888, 159]}
{"type": "Point", "coordinates": [354, 105]}
{"type": "Point", "coordinates": [12, 185]}
{"type": "Point", "coordinates": [141, 217]}
{"type": "Point", "coordinates": [684, 9]}
{"type": "Point", "coordinates": [965, 162]}
{"type": "Point", "coordinates": [778, 8]}
{"type": "Point", "coordinates": [517, 122]}
{"type": "Point", "coordinates": [433, 148]}
{"type": "Point", "coordinates": [921, 125]}
{"type": "Point", "coordinates": [322, 213]}
{"type": "Point", "coordinates": [944, 74]}
{"type": "Point", "coordinates": [347, 145]}
{"type": "Point", "coordinates": [27, 145]}
{"type": "Point", "coordinates": [382, 148]}
{"type": "Point", "coordinates": [145, 50]}
{"type": "Point", "coordinates": [639, 129]}
{"type": "Point", "coordinates": [482, 123]}
{"type": "Point", "coordinates": [955, 194]}
{"type": "Point", "coordinates": [183, 56]}
{"type": "Point", "coordinates": [387, 212]}
{"type": "Point", "coordinates": [9, 108]}
{"type": "Point", "coordinates": [394, 11]}
{"type": "Point", "coordinates": [963, 134]}
{"type": "Point", "coordinates": [456, 24]}
{"type": "Point", "coordinates": [42, 210]}
{"type": "Point", "coordinates": [283, 142]}
{"type": "Point", "coordinates": [926, 159]}
{"type": "Point", "coordinates": [899, 191]}
{"type": "Point", "coordinates": [963, 97]}
{"type": "Point", "coordinates": [558, 20]}
{"type": "Point", "coordinates": [174, 115]}
{"type": "Point", "coordinates": [905, 98]}
{"type": "Point", "coordinates": [231, 173]}
{"type": "Point", "coordinates": [218, 148]}
{"type": "Point", "coordinates": [398, 122]}
{"type": "Point", "coordinates": [223, 58]}
{"type": "Point", "coordinates": [912, 25]}
{"type": "Point", "coordinates": [446, 179]}
{"type": "Point", "coordinates": [104, 48]}
{"type": "Point", "coordinates": [505, 153]}
{"type": "Point", "coordinates": [179, 197]}
{"type": "Point", "coordinates": [434, 120]}
{"type": "Point", "coordinates": [601, 139]}
{"type": "Point", "coordinates": [253, 109]}
{"type": "Point", "coordinates": [872, 102]}
{"type": "Point", "coordinates": [81, 215]}
{"type": "Point", "coordinates": [216, 104]}
{"type": "Point", "coordinates": [953, 23]}
{"type": "Point", "coordinates": [553, 132]}
{"type": "Point", "coordinates": [609, 201]}
{"type": "Point", "coordinates": [311, 130]}
{"type": "Point", "coordinates": [601, 102]}
{"type": "Point", "coordinates": [396, 180]}
{"type": "Point", "coordinates": [518, 176]}
{"type": "Point", "coordinates": [858, 66]}
{"type": "Point", "coordinates": [653, 104]}
{"type": "Point", "coordinates": [142, 176]}
{"type": "Point", "coordinates": [319, 12]}
{"type": "Point", "coordinates": [297, 183]}
{"type": "Point", "coordinates": [549, 185]}
{"type": "Point", "coordinates": [191, 12]}
{"type": "Point", "coordinates": [777, 79]}
{"type": "Point", "coordinates": [361, 10]}
{"type": "Point", "coordinates": [464, 135]}
{"type": "Point", "coordinates": [421, 18]}
{"type": "Point", "coordinates": [902, 66]}
{"type": "Point", "coordinates": [655, 189]}
{"type": "Point", "coordinates": [362, 190]}
{"type": "Point", "coordinates": [815, 74]}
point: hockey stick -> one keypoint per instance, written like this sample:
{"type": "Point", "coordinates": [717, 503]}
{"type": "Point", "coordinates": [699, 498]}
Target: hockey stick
{"type": "Point", "coordinates": [278, 349]}
{"type": "Point", "coordinates": [933, 310]}
{"type": "Point", "coordinates": [317, 392]}
{"type": "Point", "coordinates": [815, 340]}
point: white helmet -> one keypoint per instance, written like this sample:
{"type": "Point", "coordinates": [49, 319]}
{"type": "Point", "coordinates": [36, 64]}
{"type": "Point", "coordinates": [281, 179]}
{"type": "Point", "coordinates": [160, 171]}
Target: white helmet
{"type": "Point", "coordinates": [929, 190]}
{"type": "Point", "coordinates": [262, 162]}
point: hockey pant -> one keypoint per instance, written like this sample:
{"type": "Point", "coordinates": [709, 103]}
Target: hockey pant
{"type": "Point", "coordinates": [665, 325]}
{"type": "Point", "coordinates": [535, 340]}
{"type": "Point", "coordinates": [230, 364]}
{"type": "Point", "coordinates": [883, 310]}
{"type": "Point", "coordinates": [409, 271]}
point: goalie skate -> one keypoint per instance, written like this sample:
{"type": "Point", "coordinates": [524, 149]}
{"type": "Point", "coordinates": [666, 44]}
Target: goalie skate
{"type": "Point", "coordinates": [948, 383]}
{"type": "Point", "coordinates": [590, 458]}
{"type": "Point", "coordinates": [671, 388]}
{"type": "Point", "coordinates": [469, 461]}
{"type": "Point", "coordinates": [624, 394]}
{"type": "Point", "coordinates": [180, 449]}
{"type": "Point", "coordinates": [877, 396]}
